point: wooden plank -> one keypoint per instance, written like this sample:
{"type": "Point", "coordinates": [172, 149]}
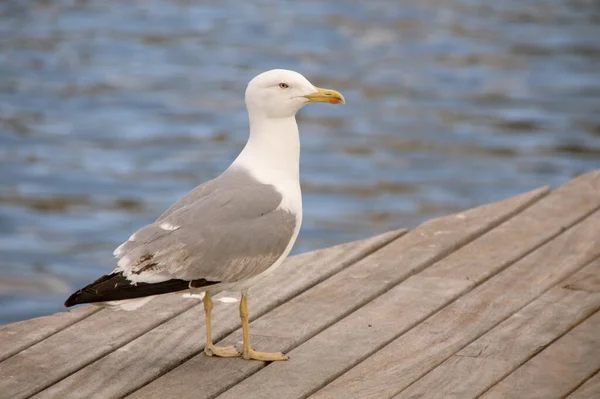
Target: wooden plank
{"type": "Point", "coordinates": [331, 300]}
{"type": "Point", "coordinates": [589, 390]}
{"type": "Point", "coordinates": [484, 362]}
{"type": "Point", "coordinates": [18, 336]}
{"type": "Point", "coordinates": [415, 299]}
{"type": "Point", "coordinates": [54, 358]}
{"type": "Point", "coordinates": [164, 345]}
{"type": "Point", "coordinates": [558, 369]}
{"type": "Point", "coordinates": [452, 328]}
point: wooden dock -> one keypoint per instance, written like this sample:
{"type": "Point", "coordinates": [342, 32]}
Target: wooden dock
{"type": "Point", "coordinates": [500, 301]}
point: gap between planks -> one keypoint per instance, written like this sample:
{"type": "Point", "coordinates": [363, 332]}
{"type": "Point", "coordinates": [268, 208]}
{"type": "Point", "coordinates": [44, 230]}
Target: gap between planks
{"type": "Point", "coordinates": [496, 354]}
{"type": "Point", "coordinates": [558, 369]}
{"type": "Point", "coordinates": [430, 343]}
{"type": "Point", "coordinates": [576, 209]}
{"type": "Point", "coordinates": [166, 347]}
{"type": "Point", "coordinates": [393, 264]}
{"type": "Point", "coordinates": [589, 388]}
{"type": "Point", "coordinates": [17, 337]}
{"type": "Point", "coordinates": [74, 348]}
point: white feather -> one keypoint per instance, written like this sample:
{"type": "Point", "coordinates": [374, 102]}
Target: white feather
{"type": "Point", "coordinates": [199, 295]}
{"type": "Point", "coordinates": [168, 226]}
{"type": "Point", "coordinates": [272, 156]}
{"type": "Point", "coordinates": [227, 299]}
{"type": "Point", "coordinates": [119, 251]}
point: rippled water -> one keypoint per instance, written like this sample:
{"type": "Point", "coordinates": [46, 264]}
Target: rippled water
{"type": "Point", "coordinates": [112, 110]}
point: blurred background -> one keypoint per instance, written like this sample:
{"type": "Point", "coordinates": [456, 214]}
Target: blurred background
{"type": "Point", "coordinates": [112, 110]}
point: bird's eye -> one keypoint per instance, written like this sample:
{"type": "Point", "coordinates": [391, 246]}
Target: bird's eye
{"type": "Point", "coordinates": [284, 85]}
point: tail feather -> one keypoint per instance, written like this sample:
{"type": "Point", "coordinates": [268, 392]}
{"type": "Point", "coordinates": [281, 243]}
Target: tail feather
{"type": "Point", "coordinates": [115, 287]}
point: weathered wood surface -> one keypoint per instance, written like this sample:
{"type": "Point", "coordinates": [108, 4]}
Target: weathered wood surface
{"type": "Point", "coordinates": [409, 303]}
{"type": "Point", "coordinates": [19, 336]}
{"type": "Point", "coordinates": [493, 301]}
{"type": "Point", "coordinates": [487, 360]}
{"type": "Point", "coordinates": [338, 296]}
{"type": "Point", "coordinates": [106, 332]}
{"type": "Point", "coordinates": [558, 369]}
{"type": "Point", "coordinates": [589, 389]}
{"type": "Point", "coordinates": [433, 340]}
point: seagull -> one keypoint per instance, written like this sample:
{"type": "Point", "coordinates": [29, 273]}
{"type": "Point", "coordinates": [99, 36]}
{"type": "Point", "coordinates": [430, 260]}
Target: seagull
{"type": "Point", "coordinates": [227, 233]}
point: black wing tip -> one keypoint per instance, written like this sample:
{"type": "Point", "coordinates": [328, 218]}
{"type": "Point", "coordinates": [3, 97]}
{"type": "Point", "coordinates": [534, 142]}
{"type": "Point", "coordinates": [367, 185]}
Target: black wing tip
{"type": "Point", "coordinates": [73, 300]}
{"type": "Point", "coordinates": [115, 287]}
{"type": "Point", "coordinates": [79, 297]}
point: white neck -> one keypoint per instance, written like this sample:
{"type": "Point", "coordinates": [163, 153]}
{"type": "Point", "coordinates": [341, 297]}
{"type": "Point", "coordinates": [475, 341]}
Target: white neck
{"type": "Point", "coordinates": [272, 154]}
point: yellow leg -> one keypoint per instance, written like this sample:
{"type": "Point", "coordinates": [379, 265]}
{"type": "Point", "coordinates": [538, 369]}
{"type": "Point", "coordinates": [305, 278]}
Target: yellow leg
{"type": "Point", "coordinates": [247, 351]}
{"type": "Point", "coordinates": [210, 349]}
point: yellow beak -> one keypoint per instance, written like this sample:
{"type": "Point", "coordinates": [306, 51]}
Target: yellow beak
{"type": "Point", "coordinates": [325, 96]}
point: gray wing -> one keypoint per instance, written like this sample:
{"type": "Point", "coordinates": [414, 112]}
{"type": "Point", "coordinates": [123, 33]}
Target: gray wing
{"type": "Point", "coordinates": [231, 178]}
{"type": "Point", "coordinates": [226, 234]}
{"type": "Point", "coordinates": [193, 196]}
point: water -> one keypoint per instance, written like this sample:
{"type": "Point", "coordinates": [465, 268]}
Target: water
{"type": "Point", "coordinates": [112, 110]}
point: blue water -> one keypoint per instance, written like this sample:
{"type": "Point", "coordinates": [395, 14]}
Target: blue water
{"type": "Point", "coordinates": [112, 110]}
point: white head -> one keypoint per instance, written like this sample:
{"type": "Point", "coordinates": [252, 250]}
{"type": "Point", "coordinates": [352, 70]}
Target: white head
{"type": "Point", "coordinates": [280, 93]}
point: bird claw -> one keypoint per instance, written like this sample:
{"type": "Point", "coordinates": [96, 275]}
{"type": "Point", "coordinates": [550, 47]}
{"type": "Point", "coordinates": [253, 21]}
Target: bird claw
{"type": "Point", "coordinates": [221, 351]}
{"type": "Point", "coordinates": [264, 356]}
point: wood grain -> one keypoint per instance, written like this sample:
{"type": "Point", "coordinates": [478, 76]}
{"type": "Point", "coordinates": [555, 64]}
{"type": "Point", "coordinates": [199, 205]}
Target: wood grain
{"type": "Point", "coordinates": [18, 336]}
{"type": "Point", "coordinates": [163, 347]}
{"type": "Point", "coordinates": [59, 355]}
{"type": "Point", "coordinates": [321, 306]}
{"type": "Point", "coordinates": [351, 340]}
{"type": "Point", "coordinates": [487, 360]}
{"type": "Point", "coordinates": [588, 390]}
{"type": "Point", "coordinates": [365, 319]}
{"type": "Point", "coordinates": [436, 339]}
{"type": "Point", "coordinates": [558, 369]}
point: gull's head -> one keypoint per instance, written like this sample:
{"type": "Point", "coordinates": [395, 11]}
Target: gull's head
{"type": "Point", "coordinates": [280, 93]}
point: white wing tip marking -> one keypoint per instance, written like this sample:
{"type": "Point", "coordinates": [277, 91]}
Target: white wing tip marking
{"type": "Point", "coordinates": [168, 226]}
